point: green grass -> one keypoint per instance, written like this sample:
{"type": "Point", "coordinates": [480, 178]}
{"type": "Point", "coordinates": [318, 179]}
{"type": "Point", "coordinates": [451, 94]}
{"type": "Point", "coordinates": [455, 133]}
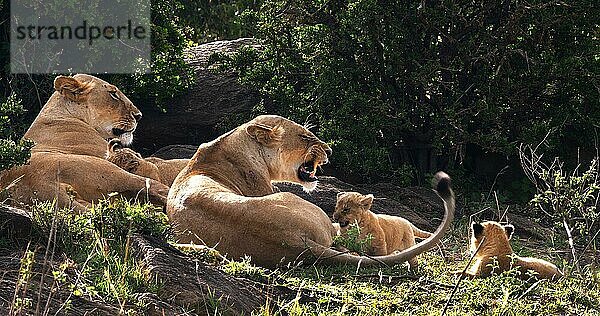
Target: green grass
{"type": "Point", "coordinates": [96, 242]}
{"type": "Point", "coordinates": [397, 291]}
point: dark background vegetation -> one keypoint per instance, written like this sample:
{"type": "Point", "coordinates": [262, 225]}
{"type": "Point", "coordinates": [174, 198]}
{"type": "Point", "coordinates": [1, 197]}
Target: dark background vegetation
{"type": "Point", "coordinates": [399, 88]}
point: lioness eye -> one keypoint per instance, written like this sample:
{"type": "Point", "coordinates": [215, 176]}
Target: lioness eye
{"type": "Point", "coordinates": [114, 95]}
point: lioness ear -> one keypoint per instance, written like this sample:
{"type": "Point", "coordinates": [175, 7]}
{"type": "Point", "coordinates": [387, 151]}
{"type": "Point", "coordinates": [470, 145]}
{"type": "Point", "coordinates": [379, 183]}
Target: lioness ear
{"type": "Point", "coordinates": [509, 229]}
{"type": "Point", "coordinates": [367, 201]}
{"type": "Point", "coordinates": [477, 229]}
{"type": "Point", "coordinates": [71, 88]}
{"type": "Point", "coordinates": [266, 135]}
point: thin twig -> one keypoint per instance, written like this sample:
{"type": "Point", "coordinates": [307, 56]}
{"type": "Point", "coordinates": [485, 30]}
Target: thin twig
{"type": "Point", "coordinates": [571, 244]}
{"type": "Point", "coordinates": [462, 276]}
{"type": "Point", "coordinates": [531, 288]}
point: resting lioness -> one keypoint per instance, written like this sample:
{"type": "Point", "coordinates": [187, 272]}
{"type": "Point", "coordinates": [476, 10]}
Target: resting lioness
{"type": "Point", "coordinates": [224, 197]}
{"type": "Point", "coordinates": [68, 160]}
{"type": "Point", "coordinates": [389, 233]}
{"type": "Point", "coordinates": [496, 254]}
{"type": "Point", "coordinates": [158, 169]}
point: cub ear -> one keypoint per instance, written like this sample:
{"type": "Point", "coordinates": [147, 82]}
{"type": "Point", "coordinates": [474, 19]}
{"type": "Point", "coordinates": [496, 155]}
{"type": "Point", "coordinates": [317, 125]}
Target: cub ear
{"type": "Point", "coordinates": [114, 145]}
{"type": "Point", "coordinates": [509, 229]}
{"type": "Point", "coordinates": [265, 135]}
{"type": "Point", "coordinates": [367, 201]}
{"type": "Point", "coordinates": [71, 88]}
{"type": "Point", "coordinates": [477, 229]}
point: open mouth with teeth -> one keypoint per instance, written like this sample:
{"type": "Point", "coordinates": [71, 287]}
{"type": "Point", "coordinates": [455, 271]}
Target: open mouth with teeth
{"type": "Point", "coordinates": [308, 170]}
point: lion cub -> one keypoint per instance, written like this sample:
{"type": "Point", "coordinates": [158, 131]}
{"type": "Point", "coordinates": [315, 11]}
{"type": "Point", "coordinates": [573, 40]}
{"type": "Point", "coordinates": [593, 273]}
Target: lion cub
{"type": "Point", "coordinates": [496, 246]}
{"type": "Point", "coordinates": [390, 233]}
{"type": "Point", "coordinates": [130, 161]}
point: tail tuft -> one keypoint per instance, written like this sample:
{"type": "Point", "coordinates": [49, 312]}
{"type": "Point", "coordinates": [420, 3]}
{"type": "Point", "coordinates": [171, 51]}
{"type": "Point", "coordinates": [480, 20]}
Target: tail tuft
{"type": "Point", "coordinates": [442, 184]}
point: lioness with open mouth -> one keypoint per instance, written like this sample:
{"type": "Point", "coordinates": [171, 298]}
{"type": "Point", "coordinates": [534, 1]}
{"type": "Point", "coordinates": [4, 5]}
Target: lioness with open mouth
{"type": "Point", "coordinates": [224, 197]}
{"type": "Point", "coordinates": [389, 233]}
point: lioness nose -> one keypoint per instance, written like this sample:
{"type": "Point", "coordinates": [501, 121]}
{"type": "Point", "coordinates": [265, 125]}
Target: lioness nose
{"type": "Point", "coordinates": [137, 116]}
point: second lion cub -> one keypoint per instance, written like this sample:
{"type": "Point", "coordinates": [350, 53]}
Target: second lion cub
{"type": "Point", "coordinates": [496, 254]}
{"type": "Point", "coordinates": [390, 233]}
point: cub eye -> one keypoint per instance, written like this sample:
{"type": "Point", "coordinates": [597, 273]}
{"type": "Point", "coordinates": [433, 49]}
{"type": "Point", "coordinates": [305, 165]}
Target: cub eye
{"type": "Point", "coordinates": [346, 210]}
{"type": "Point", "coordinates": [114, 95]}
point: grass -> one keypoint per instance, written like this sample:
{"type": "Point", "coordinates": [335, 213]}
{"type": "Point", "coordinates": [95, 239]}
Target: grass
{"type": "Point", "coordinates": [97, 249]}
{"type": "Point", "coordinates": [397, 291]}
{"type": "Point", "coordinates": [97, 263]}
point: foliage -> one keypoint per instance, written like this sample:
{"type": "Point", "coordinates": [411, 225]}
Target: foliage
{"type": "Point", "coordinates": [97, 241]}
{"type": "Point", "coordinates": [397, 83]}
{"type": "Point", "coordinates": [351, 240]}
{"type": "Point", "coordinates": [13, 152]}
{"type": "Point", "coordinates": [169, 76]}
{"type": "Point", "coordinates": [217, 19]}
{"type": "Point", "coordinates": [568, 198]}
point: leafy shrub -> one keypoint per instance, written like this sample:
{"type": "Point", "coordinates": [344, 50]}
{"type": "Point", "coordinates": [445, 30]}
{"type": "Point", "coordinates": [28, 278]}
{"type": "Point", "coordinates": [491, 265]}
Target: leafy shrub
{"type": "Point", "coordinates": [13, 152]}
{"type": "Point", "coordinates": [169, 75]}
{"type": "Point", "coordinates": [568, 198]}
{"type": "Point", "coordinates": [397, 83]}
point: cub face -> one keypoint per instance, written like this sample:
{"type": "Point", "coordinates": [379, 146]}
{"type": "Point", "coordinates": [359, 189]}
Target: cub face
{"type": "Point", "coordinates": [350, 207]}
{"type": "Point", "coordinates": [496, 241]}
{"type": "Point", "coordinates": [130, 161]}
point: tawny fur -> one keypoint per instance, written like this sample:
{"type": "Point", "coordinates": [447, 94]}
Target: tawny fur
{"type": "Point", "coordinates": [68, 160]}
{"type": "Point", "coordinates": [389, 233]}
{"type": "Point", "coordinates": [496, 255]}
{"type": "Point", "coordinates": [158, 169]}
{"type": "Point", "coordinates": [224, 197]}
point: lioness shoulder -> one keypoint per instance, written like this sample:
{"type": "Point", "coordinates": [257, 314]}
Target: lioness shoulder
{"type": "Point", "coordinates": [389, 233]}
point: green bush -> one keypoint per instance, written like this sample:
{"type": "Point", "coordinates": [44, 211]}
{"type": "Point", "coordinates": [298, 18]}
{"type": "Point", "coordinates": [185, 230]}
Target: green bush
{"type": "Point", "coordinates": [13, 152]}
{"type": "Point", "coordinates": [398, 83]}
{"type": "Point", "coordinates": [169, 76]}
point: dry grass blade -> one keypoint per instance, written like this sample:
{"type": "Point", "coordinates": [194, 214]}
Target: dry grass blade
{"type": "Point", "coordinates": [462, 276]}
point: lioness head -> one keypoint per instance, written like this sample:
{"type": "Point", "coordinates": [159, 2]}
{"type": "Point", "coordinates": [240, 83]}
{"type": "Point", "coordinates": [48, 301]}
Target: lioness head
{"type": "Point", "coordinates": [130, 161]}
{"type": "Point", "coordinates": [496, 238]}
{"type": "Point", "coordinates": [101, 105]}
{"type": "Point", "coordinates": [291, 151]}
{"type": "Point", "coordinates": [350, 207]}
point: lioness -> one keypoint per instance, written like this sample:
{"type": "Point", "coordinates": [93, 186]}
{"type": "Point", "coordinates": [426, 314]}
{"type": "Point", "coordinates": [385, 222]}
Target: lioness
{"type": "Point", "coordinates": [389, 233]}
{"type": "Point", "coordinates": [496, 254]}
{"type": "Point", "coordinates": [224, 197]}
{"type": "Point", "coordinates": [158, 169]}
{"type": "Point", "coordinates": [70, 134]}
